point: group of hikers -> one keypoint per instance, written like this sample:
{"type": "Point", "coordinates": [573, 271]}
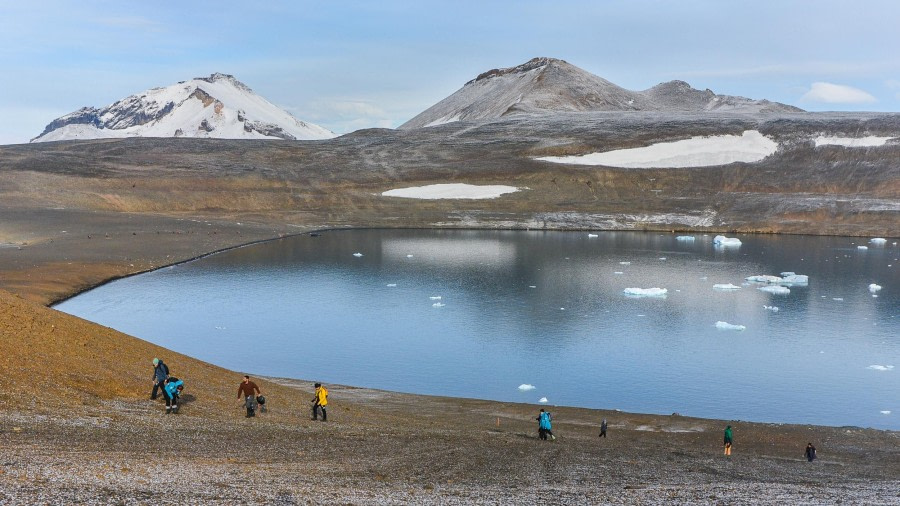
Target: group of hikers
{"type": "Point", "coordinates": [248, 392]}
{"type": "Point", "coordinates": [252, 398]}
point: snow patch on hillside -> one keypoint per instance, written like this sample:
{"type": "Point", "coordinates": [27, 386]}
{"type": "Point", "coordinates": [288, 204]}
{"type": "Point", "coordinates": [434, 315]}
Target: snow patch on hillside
{"type": "Point", "coordinates": [451, 191]}
{"type": "Point", "coordinates": [749, 147]}
{"type": "Point", "coordinates": [852, 142]}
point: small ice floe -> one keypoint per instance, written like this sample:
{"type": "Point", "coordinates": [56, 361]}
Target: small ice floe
{"type": "Point", "coordinates": [773, 309]}
{"type": "Point", "coordinates": [791, 279]}
{"type": "Point", "coordinates": [878, 241]}
{"type": "Point", "coordinates": [562, 309]}
{"type": "Point", "coordinates": [593, 235]}
{"type": "Point", "coordinates": [728, 326]}
{"type": "Point", "coordinates": [764, 278]}
{"type": "Point", "coordinates": [409, 256]}
{"type": "Point", "coordinates": [435, 297]}
{"type": "Point", "coordinates": [663, 258]}
{"type": "Point", "coordinates": [885, 412]}
{"type": "Point", "coordinates": [685, 238]}
{"type": "Point", "coordinates": [438, 304]}
{"type": "Point", "coordinates": [357, 255]}
{"type": "Point", "coordinates": [726, 242]}
{"type": "Point", "coordinates": [391, 285]}
{"type": "Point", "coordinates": [862, 247]}
{"type": "Point", "coordinates": [646, 292]}
{"type": "Point", "coordinates": [775, 289]}
{"type": "Point", "coordinates": [874, 288]}
{"type": "Point", "coordinates": [543, 400]}
{"type": "Point", "coordinates": [618, 272]}
{"type": "Point", "coordinates": [219, 327]}
{"type": "Point", "coordinates": [788, 273]}
{"type": "Point", "coordinates": [624, 263]}
{"type": "Point", "coordinates": [526, 387]}
{"type": "Point", "coordinates": [877, 367]}
{"type": "Point", "coordinates": [839, 299]}
{"type": "Point", "coordinates": [725, 287]}
{"type": "Point", "coordinates": [795, 279]}
{"type": "Point", "coordinates": [532, 286]}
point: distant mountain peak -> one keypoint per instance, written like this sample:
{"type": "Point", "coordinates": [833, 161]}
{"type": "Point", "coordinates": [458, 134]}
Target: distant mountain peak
{"type": "Point", "coordinates": [218, 106]}
{"type": "Point", "coordinates": [546, 85]}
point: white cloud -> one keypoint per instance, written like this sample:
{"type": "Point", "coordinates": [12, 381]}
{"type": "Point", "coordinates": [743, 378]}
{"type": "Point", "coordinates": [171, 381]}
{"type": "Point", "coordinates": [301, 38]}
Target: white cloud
{"type": "Point", "coordinates": [836, 94]}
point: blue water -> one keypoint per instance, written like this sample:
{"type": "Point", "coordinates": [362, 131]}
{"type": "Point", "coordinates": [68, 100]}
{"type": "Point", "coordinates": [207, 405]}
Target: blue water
{"type": "Point", "coordinates": [546, 309]}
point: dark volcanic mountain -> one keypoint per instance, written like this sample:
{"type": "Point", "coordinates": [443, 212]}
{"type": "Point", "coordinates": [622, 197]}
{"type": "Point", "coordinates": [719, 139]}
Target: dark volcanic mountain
{"type": "Point", "coordinates": [544, 85]}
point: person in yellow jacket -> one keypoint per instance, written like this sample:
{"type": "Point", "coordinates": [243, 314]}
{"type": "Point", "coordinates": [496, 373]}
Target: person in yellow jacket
{"type": "Point", "coordinates": [319, 402]}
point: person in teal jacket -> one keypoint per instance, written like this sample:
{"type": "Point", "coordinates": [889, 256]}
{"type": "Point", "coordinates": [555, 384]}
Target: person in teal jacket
{"type": "Point", "coordinates": [172, 391]}
{"type": "Point", "coordinates": [545, 425]}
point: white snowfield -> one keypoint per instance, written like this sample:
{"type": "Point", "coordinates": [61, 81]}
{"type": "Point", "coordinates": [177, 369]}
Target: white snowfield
{"type": "Point", "coordinates": [451, 191]}
{"type": "Point", "coordinates": [219, 107]}
{"type": "Point", "coordinates": [749, 147]}
{"type": "Point", "coordinates": [646, 292]}
{"type": "Point", "coordinates": [852, 142]}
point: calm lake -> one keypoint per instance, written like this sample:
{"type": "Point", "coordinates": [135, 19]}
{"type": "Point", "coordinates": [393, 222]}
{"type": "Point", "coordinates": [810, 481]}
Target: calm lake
{"type": "Point", "coordinates": [481, 313]}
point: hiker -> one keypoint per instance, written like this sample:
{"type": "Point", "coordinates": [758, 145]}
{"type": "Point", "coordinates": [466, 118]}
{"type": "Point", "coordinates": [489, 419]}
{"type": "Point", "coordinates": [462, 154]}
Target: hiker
{"type": "Point", "coordinates": [246, 391]}
{"type": "Point", "coordinates": [810, 452]}
{"type": "Point", "coordinates": [544, 425]}
{"type": "Point", "coordinates": [728, 440]}
{"type": "Point", "coordinates": [160, 373]}
{"type": "Point", "coordinates": [319, 401]}
{"type": "Point", "coordinates": [603, 428]}
{"type": "Point", "coordinates": [172, 392]}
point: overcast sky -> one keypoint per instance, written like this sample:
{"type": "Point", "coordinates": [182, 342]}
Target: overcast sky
{"type": "Point", "coordinates": [347, 65]}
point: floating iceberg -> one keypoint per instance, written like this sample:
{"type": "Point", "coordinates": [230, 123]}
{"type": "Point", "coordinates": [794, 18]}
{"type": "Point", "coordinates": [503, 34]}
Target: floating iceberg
{"type": "Point", "coordinates": [618, 272]}
{"type": "Point", "coordinates": [392, 285]}
{"type": "Point", "coordinates": [646, 292]}
{"type": "Point", "coordinates": [729, 326]}
{"type": "Point", "coordinates": [409, 256]}
{"type": "Point", "coordinates": [727, 242]}
{"type": "Point", "coordinates": [357, 255]}
{"type": "Point", "coordinates": [764, 278]}
{"type": "Point", "coordinates": [886, 412]}
{"type": "Point", "coordinates": [773, 309]}
{"type": "Point", "coordinates": [878, 240]}
{"type": "Point", "coordinates": [777, 290]}
{"type": "Point", "coordinates": [874, 288]}
{"type": "Point", "coordinates": [593, 235]}
{"type": "Point", "coordinates": [438, 304]}
{"type": "Point", "coordinates": [625, 263]}
{"type": "Point", "coordinates": [526, 387]}
{"type": "Point", "coordinates": [791, 279]}
{"type": "Point", "coordinates": [862, 247]}
{"type": "Point", "coordinates": [686, 238]}
{"type": "Point", "coordinates": [543, 400]}
{"type": "Point", "coordinates": [435, 297]}
{"type": "Point", "coordinates": [725, 286]}
{"type": "Point", "coordinates": [788, 273]}
{"type": "Point", "coordinates": [880, 367]}
{"type": "Point", "coordinates": [839, 299]}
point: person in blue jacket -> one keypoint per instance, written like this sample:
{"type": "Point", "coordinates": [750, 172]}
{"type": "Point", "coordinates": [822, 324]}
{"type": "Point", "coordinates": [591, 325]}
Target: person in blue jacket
{"type": "Point", "coordinates": [544, 425]}
{"type": "Point", "coordinates": [172, 391]}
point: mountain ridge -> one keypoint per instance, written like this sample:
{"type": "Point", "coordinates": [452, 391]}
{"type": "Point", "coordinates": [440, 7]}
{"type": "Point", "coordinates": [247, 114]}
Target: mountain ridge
{"type": "Point", "coordinates": [544, 85]}
{"type": "Point", "coordinates": [218, 106]}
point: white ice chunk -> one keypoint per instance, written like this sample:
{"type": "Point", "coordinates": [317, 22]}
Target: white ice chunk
{"type": "Point", "coordinates": [885, 412]}
{"type": "Point", "coordinates": [438, 304]}
{"type": "Point", "coordinates": [625, 263]}
{"type": "Point", "coordinates": [773, 309]}
{"type": "Point", "coordinates": [663, 258]}
{"type": "Point", "coordinates": [526, 387]}
{"type": "Point", "coordinates": [593, 235]}
{"type": "Point", "coordinates": [543, 400]}
{"type": "Point", "coordinates": [685, 238]}
{"type": "Point", "coordinates": [874, 288]}
{"type": "Point", "coordinates": [646, 292]}
{"type": "Point", "coordinates": [435, 297]}
{"type": "Point", "coordinates": [618, 272]}
{"type": "Point", "coordinates": [729, 326]}
{"type": "Point", "coordinates": [839, 299]}
{"type": "Point", "coordinates": [880, 241]}
{"type": "Point", "coordinates": [862, 247]}
{"type": "Point", "coordinates": [775, 289]}
{"type": "Point", "coordinates": [764, 278]}
{"type": "Point", "coordinates": [788, 273]}
{"type": "Point", "coordinates": [392, 284]}
{"type": "Point", "coordinates": [795, 279]}
{"type": "Point", "coordinates": [877, 367]}
{"type": "Point", "coordinates": [409, 256]}
{"type": "Point", "coordinates": [357, 255]}
{"type": "Point", "coordinates": [726, 242]}
{"type": "Point", "coordinates": [532, 286]}
{"type": "Point", "coordinates": [725, 286]}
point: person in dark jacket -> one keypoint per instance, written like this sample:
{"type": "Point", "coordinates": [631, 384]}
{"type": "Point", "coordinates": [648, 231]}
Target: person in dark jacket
{"type": "Point", "coordinates": [728, 440]}
{"type": "Point", "coordinates": [246, 391]}
{"type": "Point", "coordinates": [160, 373]}
{"type": "Point", "coordinates": [810, 452]}
{"type": "Point", "coordinates": [603, 427]}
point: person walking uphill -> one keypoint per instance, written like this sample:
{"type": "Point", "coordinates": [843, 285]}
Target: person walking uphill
{"type": "Point", "coordinates": [246, 391]}
{"type": "Point", "coordinates": [545, 427]}
{"type": "Point", "coordinates": [728, 440]}
{"type": "Point", "coordinates": [319, 401]}
{"type": "Point", "coordinates": [810, 452]}
{"type": "Point", "coordinates": [160, 373]}
{"type": "Point", "coordinates": [603, 427]}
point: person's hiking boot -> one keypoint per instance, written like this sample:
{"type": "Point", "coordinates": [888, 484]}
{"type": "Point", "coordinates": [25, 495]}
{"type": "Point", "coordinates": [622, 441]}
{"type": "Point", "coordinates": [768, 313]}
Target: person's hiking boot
{"type": "Point", "coordinates": [175, 409]}
{"type": "Point", "coordinates": [168, 409]}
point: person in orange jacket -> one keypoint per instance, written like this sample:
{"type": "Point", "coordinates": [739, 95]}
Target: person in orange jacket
{"type": "Point", "coordinates": [319, 401]}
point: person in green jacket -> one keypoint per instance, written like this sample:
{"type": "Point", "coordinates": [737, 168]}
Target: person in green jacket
{"type": "Point", "coordinates": [728, 440]}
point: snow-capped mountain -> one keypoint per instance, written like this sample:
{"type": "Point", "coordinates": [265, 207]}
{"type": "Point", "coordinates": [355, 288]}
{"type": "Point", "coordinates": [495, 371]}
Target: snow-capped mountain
{"type": "Point", "coordinates": [218, 106]}
{"type": "Point", "coordinates": [544, 85]}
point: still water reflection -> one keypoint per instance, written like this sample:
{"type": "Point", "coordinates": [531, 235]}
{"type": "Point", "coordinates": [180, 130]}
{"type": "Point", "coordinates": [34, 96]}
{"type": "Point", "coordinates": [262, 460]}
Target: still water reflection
{"type": "Point", "coordinates": [545, 309]}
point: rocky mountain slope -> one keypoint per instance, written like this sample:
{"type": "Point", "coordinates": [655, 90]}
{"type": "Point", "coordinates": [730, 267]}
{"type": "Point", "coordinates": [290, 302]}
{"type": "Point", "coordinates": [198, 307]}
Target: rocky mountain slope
{"type": "Point", "coordinates": [218, 106]}
{"type": "Point", "coordinates": [544, 85]}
